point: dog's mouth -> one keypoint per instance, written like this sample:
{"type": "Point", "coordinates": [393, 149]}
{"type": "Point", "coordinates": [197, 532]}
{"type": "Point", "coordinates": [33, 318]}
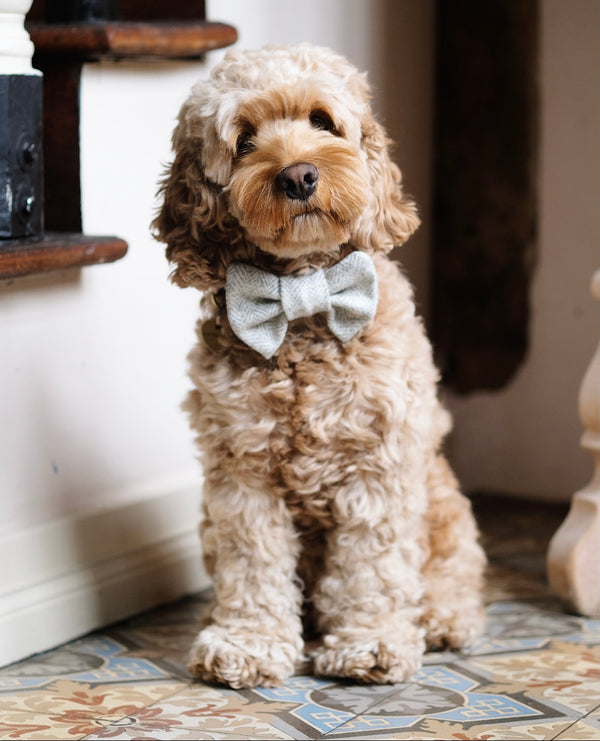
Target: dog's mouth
{"type": "Point", "coordinates": [308, 213]}
{"type": "Point", "coordinates": [311, 230]}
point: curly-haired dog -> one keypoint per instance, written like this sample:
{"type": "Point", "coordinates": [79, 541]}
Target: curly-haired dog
{"type": "Point", "coordinates": [326, 498]}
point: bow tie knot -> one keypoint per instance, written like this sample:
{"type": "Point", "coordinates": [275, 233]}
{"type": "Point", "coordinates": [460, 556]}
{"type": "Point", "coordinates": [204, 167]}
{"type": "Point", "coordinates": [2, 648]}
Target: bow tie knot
{"type": "Point", "coordinates": [260, 304]}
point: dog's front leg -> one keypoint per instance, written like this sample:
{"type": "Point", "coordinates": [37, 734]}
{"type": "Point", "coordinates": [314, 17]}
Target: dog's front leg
{"type": "Point", "coordinates": [369, 597]}
{"type": "Point", "coordinates": [250, 548]}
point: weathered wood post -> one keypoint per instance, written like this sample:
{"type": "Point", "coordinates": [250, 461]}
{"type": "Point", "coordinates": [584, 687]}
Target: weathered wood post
{"type": "Point", "coordinates": [21, 213]}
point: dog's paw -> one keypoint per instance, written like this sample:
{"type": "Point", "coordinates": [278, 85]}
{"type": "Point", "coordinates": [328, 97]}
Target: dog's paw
{"type": "Point", "coordinates": [241, 660]}
{"type": "Point", "coordinates": [375, 660]}
{"type": "Point", "coordinates": [453, 626]}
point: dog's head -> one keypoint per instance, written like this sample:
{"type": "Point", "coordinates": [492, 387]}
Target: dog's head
{"type": "Point", "coordinates": [278, 151]}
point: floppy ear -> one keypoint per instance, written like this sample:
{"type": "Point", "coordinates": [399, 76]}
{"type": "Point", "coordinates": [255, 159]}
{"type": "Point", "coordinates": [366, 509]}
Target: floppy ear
{"type": "Point", "coordinates": [192, 218]}
{"type": "Point", "coordinates": [391, 217]}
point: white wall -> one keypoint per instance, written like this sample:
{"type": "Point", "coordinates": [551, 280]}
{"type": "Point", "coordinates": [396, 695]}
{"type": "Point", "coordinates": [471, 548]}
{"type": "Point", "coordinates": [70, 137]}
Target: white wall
{"type": "Point", "coordinates": [99, 488]}
{"type": "Point", "coordinates": [524, 439]}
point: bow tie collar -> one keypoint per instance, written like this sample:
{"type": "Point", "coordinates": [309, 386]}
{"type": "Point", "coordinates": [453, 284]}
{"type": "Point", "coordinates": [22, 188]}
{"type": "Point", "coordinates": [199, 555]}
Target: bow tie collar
{"type": "Point", "coordinates": [260, 304]}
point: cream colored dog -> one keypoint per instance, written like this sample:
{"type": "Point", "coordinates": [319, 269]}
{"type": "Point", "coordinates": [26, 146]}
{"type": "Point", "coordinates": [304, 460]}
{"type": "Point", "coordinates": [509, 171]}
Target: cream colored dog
{"type": "Point", "coordinates": [326, 499]}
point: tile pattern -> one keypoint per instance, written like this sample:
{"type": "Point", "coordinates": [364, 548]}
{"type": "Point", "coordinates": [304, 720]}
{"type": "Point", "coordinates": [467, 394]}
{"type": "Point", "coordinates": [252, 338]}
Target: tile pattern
{"type": "Point", "coordinates": [534, 674]}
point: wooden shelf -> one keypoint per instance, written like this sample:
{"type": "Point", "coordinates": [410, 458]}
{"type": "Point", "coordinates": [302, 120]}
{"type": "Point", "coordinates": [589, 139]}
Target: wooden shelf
{"type": "Point", "coordinates": [56, 251]}
{"type": "Point", "coordinates": [156, 29]}
{"type": "Point", "coordinates": [123, 39]}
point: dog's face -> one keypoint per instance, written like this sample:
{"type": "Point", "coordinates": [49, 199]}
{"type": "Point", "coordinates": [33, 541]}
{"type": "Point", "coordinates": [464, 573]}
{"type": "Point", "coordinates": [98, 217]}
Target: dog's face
{"type": "Point", "coordinates": [279, 150]}
{"type": "Point", "coordinates": [299, 179]}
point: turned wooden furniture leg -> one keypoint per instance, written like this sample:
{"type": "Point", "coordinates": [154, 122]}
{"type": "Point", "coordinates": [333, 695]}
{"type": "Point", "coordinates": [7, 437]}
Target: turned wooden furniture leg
{"type": "Point", "coordinates": [574, 551]}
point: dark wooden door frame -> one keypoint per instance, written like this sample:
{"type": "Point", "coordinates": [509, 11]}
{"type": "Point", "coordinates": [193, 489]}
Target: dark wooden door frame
{"type": "Point", "coordinates": [486, 141]}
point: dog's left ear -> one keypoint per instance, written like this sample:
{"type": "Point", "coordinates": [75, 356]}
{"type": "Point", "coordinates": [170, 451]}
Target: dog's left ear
{"type": "Point", "coordinates": [391, 217]}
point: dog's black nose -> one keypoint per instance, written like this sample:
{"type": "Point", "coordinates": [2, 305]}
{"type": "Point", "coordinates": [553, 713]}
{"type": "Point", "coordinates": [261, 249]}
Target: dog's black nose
{"type": "Point", "coordinates": [298, 182]}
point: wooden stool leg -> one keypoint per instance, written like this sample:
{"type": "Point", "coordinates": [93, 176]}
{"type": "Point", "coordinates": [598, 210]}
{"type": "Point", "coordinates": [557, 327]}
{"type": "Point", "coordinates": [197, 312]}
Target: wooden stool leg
{"type": "Point", "coordinates": [573, 559]}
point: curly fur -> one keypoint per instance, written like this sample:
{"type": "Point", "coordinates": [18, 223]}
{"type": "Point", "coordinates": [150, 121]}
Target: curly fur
{"type": "Point", "coordinates": [326, 497]}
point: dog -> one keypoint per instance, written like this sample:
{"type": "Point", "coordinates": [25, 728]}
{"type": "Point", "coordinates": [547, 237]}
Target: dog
{"type": "Point", "coordinates": [328, 506]}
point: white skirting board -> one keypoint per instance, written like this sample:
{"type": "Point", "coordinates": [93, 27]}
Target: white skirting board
{"type": "Point", "coordinates": [64, 578]}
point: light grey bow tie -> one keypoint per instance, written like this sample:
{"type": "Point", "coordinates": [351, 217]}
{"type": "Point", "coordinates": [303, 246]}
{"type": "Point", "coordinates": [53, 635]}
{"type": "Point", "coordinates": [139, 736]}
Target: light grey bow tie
{"type": "Point", "coordinates": [260, 304]}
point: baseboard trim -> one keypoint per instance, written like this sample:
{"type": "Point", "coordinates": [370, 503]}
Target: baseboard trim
{"type": "Point", "coordinates": [67, 577]}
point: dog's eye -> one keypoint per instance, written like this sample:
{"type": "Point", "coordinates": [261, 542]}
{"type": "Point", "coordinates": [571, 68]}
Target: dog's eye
{"type": "Point", "coordinates": [244, 144]}
{"type": "Point", "coordinates": [321, 120]}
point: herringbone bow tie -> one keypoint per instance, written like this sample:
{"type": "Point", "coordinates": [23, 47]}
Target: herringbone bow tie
{"type": "Point", "coordinates": [260, 304]}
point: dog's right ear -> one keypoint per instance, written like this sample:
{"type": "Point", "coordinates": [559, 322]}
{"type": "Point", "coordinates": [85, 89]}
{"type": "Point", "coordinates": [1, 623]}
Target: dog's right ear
{"type": "Point", "coordinates": [192, 218]}
{"type": "Point", "coordinates": [392, 216]}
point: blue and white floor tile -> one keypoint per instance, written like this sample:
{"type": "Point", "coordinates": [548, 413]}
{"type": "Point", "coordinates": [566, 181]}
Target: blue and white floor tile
{"type": "Point", "coordinates": [534, 674]}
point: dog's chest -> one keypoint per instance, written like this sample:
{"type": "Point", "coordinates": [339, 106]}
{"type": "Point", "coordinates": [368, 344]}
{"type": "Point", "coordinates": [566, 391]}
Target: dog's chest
{"type": "Point", "coordinates": [316, 420]}
{"type": "Point", "coordinates": [320, 428]}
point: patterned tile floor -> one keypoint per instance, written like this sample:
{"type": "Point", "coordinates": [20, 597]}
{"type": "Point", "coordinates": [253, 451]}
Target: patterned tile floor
{"type": "Point", "coordinates": [533, 675]}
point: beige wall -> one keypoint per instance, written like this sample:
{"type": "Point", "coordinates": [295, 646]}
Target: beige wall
{"type": "Point", "coordinates": [524, 439]}
{"type": "Point", "coordinates": [403, 77]}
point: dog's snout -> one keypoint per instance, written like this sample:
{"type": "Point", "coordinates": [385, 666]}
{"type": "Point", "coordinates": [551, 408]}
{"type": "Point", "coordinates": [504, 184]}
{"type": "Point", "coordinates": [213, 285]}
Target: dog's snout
{"type": "Point", "coordinates": [298, 182]}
